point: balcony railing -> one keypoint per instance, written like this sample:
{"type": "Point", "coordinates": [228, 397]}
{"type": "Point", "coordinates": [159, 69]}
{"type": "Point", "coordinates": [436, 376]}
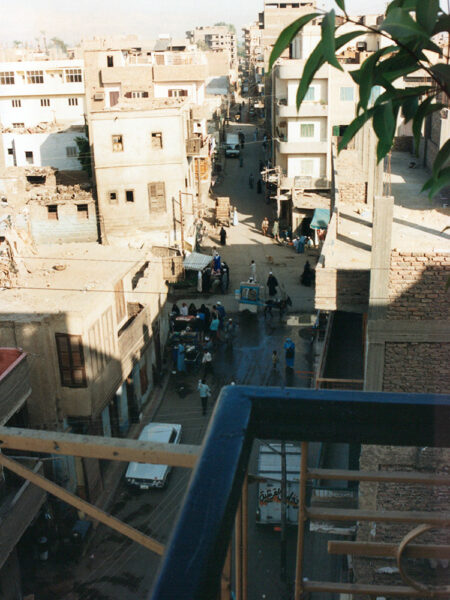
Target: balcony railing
{"type": "Point", "coordinates": [217, 496]}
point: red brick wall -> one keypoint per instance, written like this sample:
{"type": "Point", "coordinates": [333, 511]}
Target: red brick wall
{"type": "Point", "coordinates": [417, 285]}
{"type": "Point", "coordinates": [353, 193]}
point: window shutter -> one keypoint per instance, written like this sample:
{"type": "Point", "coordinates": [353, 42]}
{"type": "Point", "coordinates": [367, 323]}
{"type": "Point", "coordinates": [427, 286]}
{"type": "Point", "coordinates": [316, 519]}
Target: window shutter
{"type": "Point", "coordinates": [157, 197]}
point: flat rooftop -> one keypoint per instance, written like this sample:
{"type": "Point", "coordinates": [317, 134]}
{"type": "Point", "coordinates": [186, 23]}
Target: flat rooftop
{"type": "Point", "coordinates": [88, 270]}
{"type": "Point", "coordinates": [418, 223]}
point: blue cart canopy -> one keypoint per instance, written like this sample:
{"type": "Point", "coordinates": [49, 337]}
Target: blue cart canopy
{"type": "Point", "coordinates": [321, 218]}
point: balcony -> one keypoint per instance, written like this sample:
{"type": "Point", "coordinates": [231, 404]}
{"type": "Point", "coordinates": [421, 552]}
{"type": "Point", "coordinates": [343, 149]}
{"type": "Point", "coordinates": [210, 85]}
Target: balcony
{"type": "Point", "coordinates": [307, 109]}
{"type": "Point", "coordinates": [293, 68]}
{"type": "Point", "coordinates": [196, 146]}
{"type": "Point", "coordinates": [195, 560]}
{"type": "Point", "coordinates": [19, 504]}
{"type": "Point", "coordinates": [303, 147]}
{"type": "Point", "coordinates": [14, 382]}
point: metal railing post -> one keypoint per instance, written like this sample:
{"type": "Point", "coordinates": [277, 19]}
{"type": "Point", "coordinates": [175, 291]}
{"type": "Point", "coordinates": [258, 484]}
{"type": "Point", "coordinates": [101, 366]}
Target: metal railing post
{"type": "Point", "coordinates": [244, 506]}
{"type": "Point", "coordinates": [238, 552]}
{"type": "Point", "coordinates": [301, 521]}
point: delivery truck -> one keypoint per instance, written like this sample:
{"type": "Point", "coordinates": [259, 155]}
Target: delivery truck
{"type": "Point", "coordinates": [268, 511]}
{"type": "Point", "coordinates": [232, 147]}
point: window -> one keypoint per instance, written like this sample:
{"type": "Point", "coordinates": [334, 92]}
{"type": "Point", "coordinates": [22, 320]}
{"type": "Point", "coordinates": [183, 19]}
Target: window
{"type": "Point", "coordinates": [110, 61]}
{"type": "Point", "coordinates": [71, 151]}
{"type": "Point", "coordinates": [16, 103]}
{"type": "Point", "coordinates": [157, 197]}
{"type": "Point", "coordinates": [347, 94]}
{"type": "Point", "coordinates": [112, 196]}
{"type": "Point", "coordinates": [11, 151]}
{"type": "Point", "coordinates": [71, 360]}
{"type": "Point", "coordinates": [310, 94]}
{"type": "Point", "coordinates": [129, 195]}
{"type": "Point", "coordinates": [157, 142]}
{"type": "Point", "coordinates": [73, 75]}
{"type": "Point", "coordinates": [117, 143]}
{"type": "Point", "coordinates": [120, 301]}
{"type": "Point", "coordinates": [35, 76]}
{"type": "Point", "coordinates": [139, 94]}
{"type": "Point", "coordinates": [178, 93]}
{"type": "Point", "coordinates": [73, 101]}
{"type": "Point", "coordinates": [306, 167]}
{"type": "Point", "coordinates": [45, 101]}
{"type": "Point", "coordinates": [52, 212]}
{"type": "Point", "coordinates": [7, 78]}
{"type": "Point", "coordinates": [18, 125]}
{"type": "Point", "coordinates": [82, 212]}
{"type": "Point", "coordinates": [29, 157]}
{"type": "Point", "coordinates": [307, 130]}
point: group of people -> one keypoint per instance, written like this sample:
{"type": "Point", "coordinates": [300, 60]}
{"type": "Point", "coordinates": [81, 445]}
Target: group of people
{"type": "Point", "coordinates": [218, 271]}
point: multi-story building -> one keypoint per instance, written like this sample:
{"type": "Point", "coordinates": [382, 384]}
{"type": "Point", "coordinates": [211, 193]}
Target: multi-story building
{"type": "Point", "coordinates": [42, 111]}
{"type": "Point", "coordinates": [254, 59]}
{"type": "Point", "coordinates": [147, 128]}
{"type": "Point", "coordinates": [217, 38]}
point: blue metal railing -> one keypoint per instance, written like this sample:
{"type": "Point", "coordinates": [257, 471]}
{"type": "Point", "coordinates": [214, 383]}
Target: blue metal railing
{"type": "Point", "coordinates": [195, 555]}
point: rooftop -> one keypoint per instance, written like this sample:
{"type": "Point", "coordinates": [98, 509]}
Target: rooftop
{"type": "Point", "coordinates": [418, 222]}
{"type": "Point", "coordinates": [86, 271]}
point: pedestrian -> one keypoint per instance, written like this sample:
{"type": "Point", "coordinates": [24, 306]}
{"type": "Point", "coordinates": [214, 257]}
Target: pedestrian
{"type": "Point", "coordinates": [208, 344]}
{"type": "Point", "coordinates": [205, 393]}
{"type": "Point", "coordinates": [241, 160]}
{"type": "Point", "coordinates": [272, 284]}
{"type": "Point", "coordinates": [199, 281]}
{"type": "Point", "coordinates": [216, 262]}
{"type": "Point", "coordinates": [275, 360]}
{"type": "Point", "coordinates": [184, 311]}
{"type": "Point", "coordinates": [265, 225]}
{"type": "Point", "coordinates": [276, 230]}
{"type": "Point", "coordinates": [224, 277]}
{"type": "Point", "coordinates": [220, 310]}
{"type": "Point", "coordinates": [207, 363]}
{"type": "Point", "coordinates": [175, 310]}
{"type": "Point", "coordinates": [261, 166]}
{"type": "Point", "coordinates": [223, 236]}
{"type": "Point", "coordinates": [235, 217]}
{"type": "Point", "coordinates": [214, 327]}
{"type": "Point", "coordinates": [259, 186]}
{"type": "Point", "coordinates": [289, 353]}
{"type": "Point", "coordinates": [251, 179]}
{"type": "Point", "coordinates": [253, 270]}
{"type": "Point", "coordinates": [306, 278]}
{"type": "Point", "coordinates": [192, 310]}
{"type": "Point", "coordinates": [181, 366]}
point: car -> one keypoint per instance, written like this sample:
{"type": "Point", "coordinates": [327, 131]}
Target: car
{"type": "Point", "coordinates": [146, 476]}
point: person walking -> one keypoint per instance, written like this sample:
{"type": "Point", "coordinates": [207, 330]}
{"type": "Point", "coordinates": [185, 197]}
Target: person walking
{"type": "Point", "coordinates": [235, 217]}
{"type": "Point", "coordinates": [289, 353]}
{"type": "Point", "coordinates": [181, 366]}
{"type": "Point", "coordinates": [275, 360]}
{"type": "Point", "coordinates": [276, 231]}
{"type": "Point", "coordinates": [251, 180]}
{"type": "Point", "coordinates": [265, 226]}
{"type": "Point", "coordinates": [184, 311]}
{"type": "Point", "coordinates": [214, 327]}
{"type": "Point", "coordinates": [223, 236]}
{"type": "Point", "coordinates": [259, 186]}
{"type": "Point", "coordinates": [253, 270]}
{"type": "Point", "coordinates": [207, 363]}
{"type": "Point", "coordinates": [205, 393]}
{"type": "Point", "coordinates": [272, 284]}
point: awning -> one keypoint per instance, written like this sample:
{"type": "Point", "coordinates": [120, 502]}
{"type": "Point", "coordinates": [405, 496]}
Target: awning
{"type": "Point", "coordinates": [196, 261]}
{"type": "Point", "coordinates": [321, 218]}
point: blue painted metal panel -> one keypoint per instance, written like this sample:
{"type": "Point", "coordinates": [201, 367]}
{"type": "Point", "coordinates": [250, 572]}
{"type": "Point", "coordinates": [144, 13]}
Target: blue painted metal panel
{"type": "Point", "coordinates": [195, 554]}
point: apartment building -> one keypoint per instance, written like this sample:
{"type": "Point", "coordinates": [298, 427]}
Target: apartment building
{"type": "Point", "coordinates": [147, 127]}
{"type": "Point", "coordinates": [217, 38]}
{"type": "Point", "coordinates": [42, 111]}
{"type": "Point", "coordinates": [254, 58]}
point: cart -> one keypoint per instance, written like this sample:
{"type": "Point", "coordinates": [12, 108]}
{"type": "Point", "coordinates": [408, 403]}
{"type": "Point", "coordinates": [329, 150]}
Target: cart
{"type": "Point", "coordinates": [250, 296]}
{"type": "Point", "coordinates": [223, 211]}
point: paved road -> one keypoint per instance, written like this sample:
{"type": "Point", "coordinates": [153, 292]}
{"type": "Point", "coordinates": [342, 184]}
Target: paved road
{"type": "Point", "coordinates": [118, 569]}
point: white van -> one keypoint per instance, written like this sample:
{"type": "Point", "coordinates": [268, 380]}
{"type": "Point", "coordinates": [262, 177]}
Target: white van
{"type": "Point", "coordinates": [146, 475]}
{"type": "Point", "coordinates": [232, 147]}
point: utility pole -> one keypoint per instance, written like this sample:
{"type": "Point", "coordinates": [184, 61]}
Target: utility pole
{"type": "Point", "coordinates": [181, 220]}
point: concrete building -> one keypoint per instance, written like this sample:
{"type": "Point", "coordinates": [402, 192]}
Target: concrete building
{"type": "Point", "coordinates": [218, 38]}
{"type": "Point", "coordinates": [20, 502]}
{"type": "Point", "coordinates": [93, 326]}
{"type": "Point", "coordinates": [42, 111]}
{"type": "Point", "coordinates": [253, 69]}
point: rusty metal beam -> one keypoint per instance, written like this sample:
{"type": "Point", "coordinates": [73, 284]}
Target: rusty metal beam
{"type": "Point", "coordinates": [391, 516]}
{"type": "Point", "coordinates": [411, 477]}
{"type": "Point", "coordinates": [225, 582]}
{"type": "Point", "coordinates": [89, 509]}
{"type": "Point", "coordinates": [371, 590]}
{"type": "Point", "coordinates": [372, 549]}
{"type": "Point", "coordinates": [94, 446]}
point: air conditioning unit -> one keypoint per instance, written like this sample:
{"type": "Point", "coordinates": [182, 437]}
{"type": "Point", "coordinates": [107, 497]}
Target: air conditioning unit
{"type": "Point", "coordinates": [99, 96]}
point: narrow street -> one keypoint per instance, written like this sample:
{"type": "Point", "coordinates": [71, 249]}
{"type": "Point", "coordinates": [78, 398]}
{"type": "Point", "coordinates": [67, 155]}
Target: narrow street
{"type": "Point", "coordinates": [115, 568]}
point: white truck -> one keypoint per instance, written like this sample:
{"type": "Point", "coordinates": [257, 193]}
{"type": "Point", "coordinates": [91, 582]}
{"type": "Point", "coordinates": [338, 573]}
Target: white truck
{"type": "Point", "coordinates": [232, 146]}
{"type": "Point", "coordinates": [268, 511]}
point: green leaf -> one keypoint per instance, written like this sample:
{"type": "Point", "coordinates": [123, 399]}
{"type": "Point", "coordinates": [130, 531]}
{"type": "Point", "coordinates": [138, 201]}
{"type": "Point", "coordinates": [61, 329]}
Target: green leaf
{"type": "Point", "coordinates": [409, 108]}
{"type": "Point", "coordinates": [400, 25]}
{"type": "Point", "coordinates": [442, 24]}
{"type": "Point", "coordinates": [287, 35]}
{"type": "Point", "coordinates": [441, 158]}
{"type": "Point", "coordinates": [425, 109]}
{"type": "Point", "coordinates": [426, 13]}
{"type": "Point", "coordinates": [354, 127]}
{"type": "Point", "coordinates": [437, 184]}
{"type": "Point", "coordinates": [366, 74]}
{"type": "Point", "coordinates": [341, 4]}
{"type": "Point", "coordinates": [442, 73]}
{"type": "Point", "coordinates": [384, 126]}
{"type": "Point", "coordinates": [328, 41]}
{"type": "Point", "coordinates": [407, 4]}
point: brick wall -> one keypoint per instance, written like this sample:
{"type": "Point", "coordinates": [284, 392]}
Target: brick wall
{"type": "Point", "coordinates": [353, 193]}
{"type": "Point", "coordinates": [403, 143]}
{"type": "Point", "coordinates": [417, 285]}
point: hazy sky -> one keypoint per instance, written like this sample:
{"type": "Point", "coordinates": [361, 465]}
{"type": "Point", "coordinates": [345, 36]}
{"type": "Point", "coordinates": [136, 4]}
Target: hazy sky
{"type": "Point", "coordinates": [73, 20]}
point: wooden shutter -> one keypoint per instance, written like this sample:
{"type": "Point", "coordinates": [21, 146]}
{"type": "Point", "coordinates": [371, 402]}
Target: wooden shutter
{"type": "Point", "coordinates": [71, 360]}
{"type": "Point", "coordinates": [157, 197]}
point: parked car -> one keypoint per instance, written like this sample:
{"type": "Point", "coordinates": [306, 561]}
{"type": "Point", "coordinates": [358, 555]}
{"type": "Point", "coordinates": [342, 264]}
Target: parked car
{"type": "Point", "coordinates": [146, 475]}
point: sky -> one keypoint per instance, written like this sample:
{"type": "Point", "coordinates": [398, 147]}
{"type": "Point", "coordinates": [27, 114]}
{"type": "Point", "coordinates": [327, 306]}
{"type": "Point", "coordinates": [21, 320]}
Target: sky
{"type": "Point", "coordinates": [24, 20]}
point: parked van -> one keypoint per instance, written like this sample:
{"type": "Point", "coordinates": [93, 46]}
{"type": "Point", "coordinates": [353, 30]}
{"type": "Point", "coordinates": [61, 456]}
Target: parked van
{"type": "Point", "coordinates": [146, 475]}
{"type": "Point", "coordinates": [232, 147]}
